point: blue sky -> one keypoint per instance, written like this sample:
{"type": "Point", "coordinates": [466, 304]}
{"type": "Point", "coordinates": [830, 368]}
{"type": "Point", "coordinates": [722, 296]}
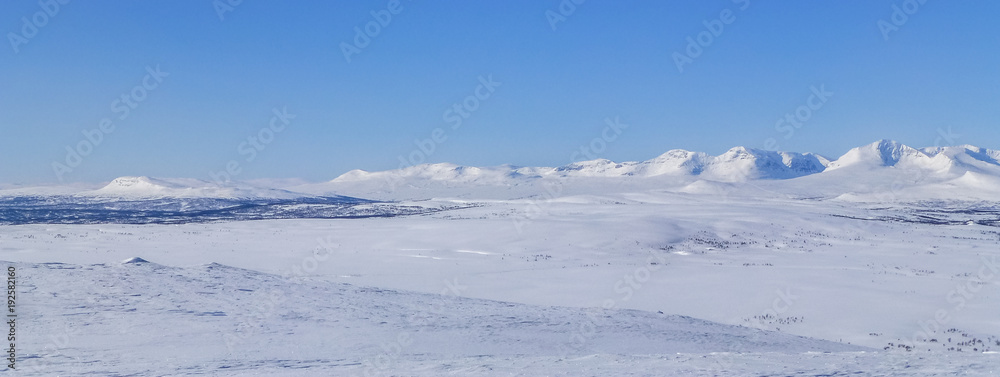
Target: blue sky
{"type": "Point", "coordinates": [223, 77]}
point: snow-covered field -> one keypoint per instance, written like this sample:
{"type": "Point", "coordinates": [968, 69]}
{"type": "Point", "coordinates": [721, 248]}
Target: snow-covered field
{"type": "Point", "coordinates": [882, 262]}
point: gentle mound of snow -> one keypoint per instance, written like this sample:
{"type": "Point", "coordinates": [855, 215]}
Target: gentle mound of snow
{"type": "Point", "coordinates": [146, 187]}
{"type": "Point", "coordinates": [206, 319]}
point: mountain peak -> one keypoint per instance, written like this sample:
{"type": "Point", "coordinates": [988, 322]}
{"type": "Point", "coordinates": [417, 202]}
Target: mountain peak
{"type": "Point", "coordinates": [882, 153]}
{"type": "Point", "coordinates": [135, 260]}
{"type": "Point", "coordinates": [891, 151]}
{"type": "Point", "coordinates": [742, 149]}
{"type": "Point", "coordinates": [742, 163]}
{"type": "Point", "coordinates": [137, 184]}
{"type": "Point", "coordinates": [130, 181]}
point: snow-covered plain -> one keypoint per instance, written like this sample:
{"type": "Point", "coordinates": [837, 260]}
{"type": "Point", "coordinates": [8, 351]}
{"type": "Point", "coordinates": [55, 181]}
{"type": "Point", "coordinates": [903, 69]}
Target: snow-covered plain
{"type": "Point", "coordinates": [882, 262]}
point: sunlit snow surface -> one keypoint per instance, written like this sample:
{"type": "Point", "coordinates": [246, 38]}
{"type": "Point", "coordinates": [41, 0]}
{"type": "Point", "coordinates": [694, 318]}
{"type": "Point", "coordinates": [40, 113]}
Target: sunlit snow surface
{"type": "Point", "coordinates": [334, 296]}
{"type": "Point", "coordinates": [887, 262]}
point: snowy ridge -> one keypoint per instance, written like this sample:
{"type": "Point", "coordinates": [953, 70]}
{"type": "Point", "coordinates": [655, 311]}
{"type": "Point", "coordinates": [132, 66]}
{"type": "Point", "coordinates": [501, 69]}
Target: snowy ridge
{"type": "Point", "coordinates": [945, 160]}
{"type": "Point", "coordinates": [884, 170]}
{"type": "Point", "coordinates": [879, 171]}
{"type": "Point", "coordinates": [737, 164]}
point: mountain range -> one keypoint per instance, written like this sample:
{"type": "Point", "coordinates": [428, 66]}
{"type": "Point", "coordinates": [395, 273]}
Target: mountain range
{"type": "Point", "coordinates": [866, 173]}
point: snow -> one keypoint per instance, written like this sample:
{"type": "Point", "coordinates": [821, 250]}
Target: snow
{"type": "Point", "coordinates": [739, 163]}
{"type": "Point", "coordinates": [146, 187]}
{"type": "Point", "coordinates": [938, 162]}
{"type": "Point", "coordinates": [885, 265]}
{"type": "Point", "coordinates": [884, 170]}
{"type": "Point", "coordinates": [208, 316]}
{"type": "Point", "coordinates": [135, 260]}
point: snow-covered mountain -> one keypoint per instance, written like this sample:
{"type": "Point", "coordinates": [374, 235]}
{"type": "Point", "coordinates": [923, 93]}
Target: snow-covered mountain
{"type": "Point", "coordinates": [940, 160]}
{"type": "Point", "coordinates": [886, 168]}
{"type": "Point", "coordinates": [146, 187]}
{"type": "Point", "coordinates": [889, 170]}
{"type": "Point", "coordinates": [685, 264]}
{"type": "Point", "coordinates": [878, 171]}
{"type": "Point", "coordinates": [738, 164]}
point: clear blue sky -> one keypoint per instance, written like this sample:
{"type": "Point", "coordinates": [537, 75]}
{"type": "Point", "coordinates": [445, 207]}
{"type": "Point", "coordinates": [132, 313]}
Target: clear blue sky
{"type": "Point", "coordinates": [940, 69]}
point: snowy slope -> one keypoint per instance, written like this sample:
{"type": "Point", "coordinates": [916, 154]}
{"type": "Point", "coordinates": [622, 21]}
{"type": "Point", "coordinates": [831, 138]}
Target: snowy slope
{"type": "Point", "coordinates": [867, 275]}
{"type": "Point", "coordinates": [939, 162]}
{"type": "Point", "coordinates": [739, 164]}
{"type": "Point", "coordinates": [10, 190]}
{"type": "Point", "coordinates": [890, 171]}
{"type": "Point", "coordinates": [219, 318]}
